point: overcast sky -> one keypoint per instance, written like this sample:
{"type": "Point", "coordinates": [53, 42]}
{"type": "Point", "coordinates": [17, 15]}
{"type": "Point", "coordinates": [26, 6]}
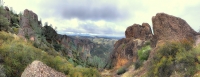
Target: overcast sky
{"type": "Point", "coordinates": [106, 17]}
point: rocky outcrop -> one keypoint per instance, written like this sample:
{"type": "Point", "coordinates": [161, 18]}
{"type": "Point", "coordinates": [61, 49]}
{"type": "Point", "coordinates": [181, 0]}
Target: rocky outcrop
{"type": "Point", "coordinates": [139, 31]}
{"type": "Point", "coordinates": [27, 21]}
{"type": "Point", "coordinates": [30, 14]}
{"type": "Point", "coordinates": [125, 50]}
{"type": "Point", "coordinates": [38, 69]}
{"type": "Point", "coordinates": [168, 27]}
{"type": "Point", "coordinates": [165, 28]}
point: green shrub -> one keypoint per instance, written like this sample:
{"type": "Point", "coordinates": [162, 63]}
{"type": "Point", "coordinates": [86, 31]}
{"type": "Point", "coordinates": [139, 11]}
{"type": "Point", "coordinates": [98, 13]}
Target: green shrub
{"type": "Point", "coordinates": [83, 72]}
{"type": "Point", "coordinates": [16, 30]}
{"type": "Point", "coordinates": [138, 64]}
{"type": "Point", "coordinates": [4, 23]}
{"type": "Point", "coordinates": [97, 62]}
{"type": "Point", "coordinates": [14, 20]}
{"type": "Point", "coordinates": [49, 32]}
{"type": "Point", "coordinates": [173, 56]}
{"type": "Point", "coordinates": [121, 70]}
{"type": "Point", "coordinates": [57, 47]}
{"type": "Point", "coordinates": [6, 36]}
{"type": "Point", "coordinates": [143, 53]}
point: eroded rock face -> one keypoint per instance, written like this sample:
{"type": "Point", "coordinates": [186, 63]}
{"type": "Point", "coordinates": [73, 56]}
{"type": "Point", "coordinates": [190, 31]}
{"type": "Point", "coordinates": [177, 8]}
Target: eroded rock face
{"type": "Point", "coordinates": [168, 27]}
{"type": "Point", "coordinates": [139, 31]}
{"type": "Point", "coordinates": [26, 21]}
{"type": "Point", "coordinates": [31, 14]}
{"type": "Point", "coordinates": [38, 69]}
{"type": "Point", "coordinates": [84, 46]}
{"type": "Point", "coordinates": [125, 50]}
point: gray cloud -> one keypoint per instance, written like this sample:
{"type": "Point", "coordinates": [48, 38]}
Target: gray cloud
{"type": "Point", "coordinates": [85, 9]}
{"type": "Point", "coordinates": [122, 13]}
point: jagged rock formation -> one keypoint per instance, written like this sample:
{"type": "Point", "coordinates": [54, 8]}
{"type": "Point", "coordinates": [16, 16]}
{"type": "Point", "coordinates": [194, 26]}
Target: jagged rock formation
{"type": "Point", "coordinates": [168, 27]}
{"type": "Point", "coordinates": [31, 14]}
{"type": "Point", "coordinates": [125, 50]}
{"type": "Point", "coordinates": [26, 21]}
{"type": "Point", "coordinates": [137, 31]}
{"type": "Point", "coordinates": [38, 69]}
{"type": "Point", "coordinates": [165, 27]}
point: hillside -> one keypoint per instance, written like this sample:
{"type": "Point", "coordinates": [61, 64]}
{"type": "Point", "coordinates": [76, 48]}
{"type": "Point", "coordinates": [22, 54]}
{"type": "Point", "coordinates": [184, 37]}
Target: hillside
{"type": "Point", "coordinates": [103, 45]}
{"type": "Point", "coordinates": [24, 39]}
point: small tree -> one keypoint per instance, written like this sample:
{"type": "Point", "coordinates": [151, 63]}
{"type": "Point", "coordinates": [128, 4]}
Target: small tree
{"type": "Point", "coordinates": [4, 23]}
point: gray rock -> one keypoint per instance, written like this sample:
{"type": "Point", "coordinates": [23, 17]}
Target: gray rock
{"type": "Point", "coordinates": [38, 69]}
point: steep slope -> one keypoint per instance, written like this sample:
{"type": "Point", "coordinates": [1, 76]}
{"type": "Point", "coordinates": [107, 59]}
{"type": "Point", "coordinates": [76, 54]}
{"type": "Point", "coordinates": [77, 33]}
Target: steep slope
{"type": "Point", "coordinates": [37, 42]}
{"type": "Point", "coordinates": [81, 47]}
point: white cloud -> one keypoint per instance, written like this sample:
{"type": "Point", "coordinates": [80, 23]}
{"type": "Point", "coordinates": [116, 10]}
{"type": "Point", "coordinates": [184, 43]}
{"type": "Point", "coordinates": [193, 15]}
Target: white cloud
{"type": "Point", "coordinates": [138, 11]}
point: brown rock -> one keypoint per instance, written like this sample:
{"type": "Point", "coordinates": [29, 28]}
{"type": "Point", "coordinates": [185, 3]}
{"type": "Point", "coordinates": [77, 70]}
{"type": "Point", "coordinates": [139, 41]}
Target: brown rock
{"type": "Point", "coordinates": [28, 13]}
{"type": "Point", "coordinates": [25, 22]}
{"type": "Point", "coordinates": [165, 27]}
{"type": "Point", "coordinates": [168, 27]}
{"type": "Point", "coordinates": [125, 50]}
{"type": "Point", "coordinates": [139, 31]}
{"type": "Point", "coordinates": [38, 69]}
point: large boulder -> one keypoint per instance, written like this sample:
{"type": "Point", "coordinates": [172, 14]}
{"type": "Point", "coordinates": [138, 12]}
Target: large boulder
{"type": "Point", "coordinates": [139, 31]}
{"type": "Point", "coordinates": [168, 27]}
{"type": "Point", "coordinates": [38, 69]}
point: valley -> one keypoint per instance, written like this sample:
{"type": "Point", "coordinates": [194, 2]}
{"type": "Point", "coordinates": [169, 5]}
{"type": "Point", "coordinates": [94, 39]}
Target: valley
{"type": "Point", "coordinates": [32, 48]}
